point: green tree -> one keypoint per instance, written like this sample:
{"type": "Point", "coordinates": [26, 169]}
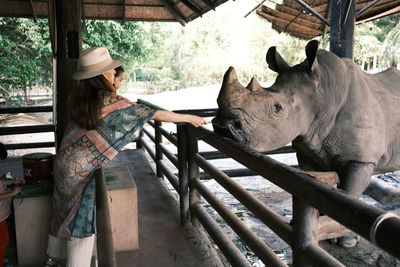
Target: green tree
{"type": "Point", "coordinates": [25, 55]}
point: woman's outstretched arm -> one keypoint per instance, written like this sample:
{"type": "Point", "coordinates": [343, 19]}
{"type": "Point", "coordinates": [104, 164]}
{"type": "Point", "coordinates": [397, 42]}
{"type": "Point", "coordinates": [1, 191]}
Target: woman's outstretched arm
{"type": "Point", "coordinates": [168, 116]}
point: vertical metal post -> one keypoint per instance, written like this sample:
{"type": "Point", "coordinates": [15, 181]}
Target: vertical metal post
{"type": "Point", "coordinates": [304, 223]}
{"type": "Point", "coordinates": [193, 172]}
{"type": "Point", "coordinates": [138, 140]}
{"type": "Point", "coordinates": [183, 174]}
{"type": "Point", "coordinates": [342, 27]}
{"type": "Point", "coordinates": [158, 139]}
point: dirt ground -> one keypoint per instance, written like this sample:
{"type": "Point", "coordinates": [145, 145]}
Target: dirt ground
{"type": "Point", "coordinates": [364, 254]}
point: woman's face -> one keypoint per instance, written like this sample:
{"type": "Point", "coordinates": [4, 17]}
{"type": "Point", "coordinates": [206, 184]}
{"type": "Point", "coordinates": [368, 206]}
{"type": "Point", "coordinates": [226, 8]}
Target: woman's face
{"type": "Point", "coordinates": [118, 80]}
{"type": "Point", "coordinates": [109, 75]}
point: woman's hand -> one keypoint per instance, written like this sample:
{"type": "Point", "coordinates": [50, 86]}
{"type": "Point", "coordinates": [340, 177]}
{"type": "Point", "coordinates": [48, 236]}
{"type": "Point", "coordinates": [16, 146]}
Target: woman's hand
{"type": "Point", "coordinates": [196, 121]}
{"type": "Point", "coordinates": [168, 116]}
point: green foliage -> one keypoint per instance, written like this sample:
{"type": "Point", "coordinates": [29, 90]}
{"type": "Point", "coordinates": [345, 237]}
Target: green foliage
{"type": "Point", "coordinates": [132, 42]}
{"type": "Point", "coordinates": [25, 56]}
{"type": "Point", "coordinates": [171, 56]}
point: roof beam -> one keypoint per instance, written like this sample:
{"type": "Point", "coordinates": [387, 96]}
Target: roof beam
{"type": "Point", "coordinates": [209, 3]}
{"type": "Point", "coordinates": [171, 9]}
{"type": "Point", "coordinates": [192, 7]}
{"type": "Point", "coordinates": [33, 11]}
{"type": "Point", "coordinates": [312, 11]}
{"type": "Point", "coordinates": [360, 12]}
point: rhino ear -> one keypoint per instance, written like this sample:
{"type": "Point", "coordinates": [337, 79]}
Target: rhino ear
{"type": "Point", "coordinates": [311, 52]}
{"type": "Point", "coordinates": [254, 85]}
{"type": "Point", "coordinates": [275, 61]}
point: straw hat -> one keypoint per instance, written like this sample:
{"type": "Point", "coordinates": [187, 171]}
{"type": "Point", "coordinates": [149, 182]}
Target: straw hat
{"type": "Point", "coordinates": [94, 61]}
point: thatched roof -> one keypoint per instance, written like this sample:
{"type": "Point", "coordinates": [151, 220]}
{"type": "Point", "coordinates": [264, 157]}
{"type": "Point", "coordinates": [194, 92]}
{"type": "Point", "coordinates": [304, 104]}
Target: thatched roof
{"type": "Point", "coordinates": [292, 18]}
{"type": "Point", "coordinates": [182, 11]}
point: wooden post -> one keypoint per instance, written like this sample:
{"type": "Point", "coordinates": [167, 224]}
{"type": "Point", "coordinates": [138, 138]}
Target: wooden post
{"type": "Point", "coordinates": [183, 174]}
{"type": "Point", "coordinates": [158, 139]}
{"type": "Point", "coordinates": [69, 44]}
{"type": "Point", "coordinates": [304, 226]}
{"type": "Point", "coordinates": [342, 27]}
{"type": "Point", "coordinates": [193, 173]}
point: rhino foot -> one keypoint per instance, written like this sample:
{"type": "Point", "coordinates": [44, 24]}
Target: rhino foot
{"type": "Point", "coordinates": [347, 241]}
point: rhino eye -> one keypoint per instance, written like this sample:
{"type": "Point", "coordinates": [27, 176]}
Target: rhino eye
{"type": "Point", "coordinates": [277, 107]}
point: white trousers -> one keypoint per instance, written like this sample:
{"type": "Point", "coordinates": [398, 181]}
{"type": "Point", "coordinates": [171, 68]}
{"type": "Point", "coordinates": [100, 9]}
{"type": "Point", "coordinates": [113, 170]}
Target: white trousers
{"type": "Point", "coordinates": [78, 251]}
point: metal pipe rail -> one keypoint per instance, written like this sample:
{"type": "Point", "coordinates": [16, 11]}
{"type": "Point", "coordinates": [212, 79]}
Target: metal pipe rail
{"type": "Point", "coordinates": [26, 110]}
{"type": "Point", "coordinates": [265, 253]}
{"type": "Point", "coordinates": [368, 221]}
{"type": "Point", "coordinates": [27, 129]}
{"type": "Point", "coordinates": [269, 217]}
{"type": "Point", "coordinates": [228, 248]}
{"type": "Point", "coordinates": [29, 145]}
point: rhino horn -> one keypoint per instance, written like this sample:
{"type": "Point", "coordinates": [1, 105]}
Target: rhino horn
{"type": "Point", "coordinates": [254, 85]}
{"type": "Point", "coordinates": [275, 61]}
{"type": "Point", "coordinates": [230, 75]}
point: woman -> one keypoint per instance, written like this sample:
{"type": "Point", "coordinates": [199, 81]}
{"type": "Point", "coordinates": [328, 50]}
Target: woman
{"type": "Point", "coordinates": [119, 77]}
{"type": "Point", "coordinates": [102, 123]}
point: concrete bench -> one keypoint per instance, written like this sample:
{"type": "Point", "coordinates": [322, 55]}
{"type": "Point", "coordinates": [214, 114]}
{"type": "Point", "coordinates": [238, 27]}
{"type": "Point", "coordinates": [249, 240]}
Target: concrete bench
{"type": "Point", "coordinates": [32, 216]}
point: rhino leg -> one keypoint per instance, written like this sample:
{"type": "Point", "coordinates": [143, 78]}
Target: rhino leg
{"type": "Point", "coordinates": [355, 177]}
{"type": "Point", "coordinates": [307, 163]}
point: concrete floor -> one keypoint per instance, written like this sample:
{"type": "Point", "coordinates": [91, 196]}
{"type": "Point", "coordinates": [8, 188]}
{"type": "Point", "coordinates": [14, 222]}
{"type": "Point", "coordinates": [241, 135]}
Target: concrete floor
{"type": "Point", "coordinates": [162, 241]}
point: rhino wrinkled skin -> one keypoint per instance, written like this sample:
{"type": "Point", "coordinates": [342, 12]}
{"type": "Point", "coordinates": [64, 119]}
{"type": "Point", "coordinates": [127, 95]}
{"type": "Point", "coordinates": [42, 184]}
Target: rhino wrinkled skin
{"type": "Point", "coordinates": [338, 117]}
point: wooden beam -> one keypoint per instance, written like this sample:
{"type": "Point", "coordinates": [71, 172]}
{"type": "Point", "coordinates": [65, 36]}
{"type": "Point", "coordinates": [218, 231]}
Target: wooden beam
{"type": "Point", "coordinates": [172, 10]}
{"type": "Point", "coordinates": [210, 3]}
{"type": "Point", "coordinates": [192, 7]}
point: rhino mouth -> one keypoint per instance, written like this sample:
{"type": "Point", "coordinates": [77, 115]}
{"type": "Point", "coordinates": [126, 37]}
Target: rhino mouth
{"type": "Point", "coordinates": [231, 129]}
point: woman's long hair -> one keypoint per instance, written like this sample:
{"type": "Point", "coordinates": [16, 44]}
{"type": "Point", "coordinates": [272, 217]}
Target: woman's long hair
{"type": "Point", "coordinates": [85, 103]}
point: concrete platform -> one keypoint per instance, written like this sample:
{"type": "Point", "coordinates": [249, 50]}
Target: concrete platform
{"type": "Point", "coordinates": [162, 241]}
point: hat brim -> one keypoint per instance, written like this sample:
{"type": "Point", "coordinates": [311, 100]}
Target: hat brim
{"type": "Point", "coordinates": [90, 74]}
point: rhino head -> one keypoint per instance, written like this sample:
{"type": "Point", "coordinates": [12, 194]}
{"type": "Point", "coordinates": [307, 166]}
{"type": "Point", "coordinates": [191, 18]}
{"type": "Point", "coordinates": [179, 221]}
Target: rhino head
{"type": "Point", "coordinates": [269, 118]}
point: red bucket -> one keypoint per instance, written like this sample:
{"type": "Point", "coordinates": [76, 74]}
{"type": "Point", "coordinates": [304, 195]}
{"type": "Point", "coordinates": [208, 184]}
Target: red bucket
{"type": "Point", "coordinates": [37, 167]}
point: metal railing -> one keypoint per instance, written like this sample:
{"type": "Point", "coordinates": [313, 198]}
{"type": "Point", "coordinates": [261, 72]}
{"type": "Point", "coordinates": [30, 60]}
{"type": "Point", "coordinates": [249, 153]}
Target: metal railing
{"type": "Point", "coordinates": [310, 191]}
{"type": "Point", "coordinates": [27, 129]}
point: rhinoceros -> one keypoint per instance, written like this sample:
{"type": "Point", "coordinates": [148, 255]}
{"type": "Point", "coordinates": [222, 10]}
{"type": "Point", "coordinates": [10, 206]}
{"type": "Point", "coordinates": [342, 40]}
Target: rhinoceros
{"type": "Point", "coordinates": [337, 117]}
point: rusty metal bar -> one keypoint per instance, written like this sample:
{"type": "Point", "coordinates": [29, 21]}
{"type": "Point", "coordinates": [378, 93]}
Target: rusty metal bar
{"type": "Point", "coordinates": [158, 141]}
{"type": "Point", "coordinates": [170, 156]}
{"type": "Point", "coordinates": [219, 155]}
{"type": "Point", "coordinates": [262, 211]}
{"type": "Point", "coordinates": [169, 136]}
{"type": "Point", "coordinates": [105, 244]}
{"type": "Point", "coordinates": [207, 112]}
{"type": "Point", "coordinates": [265, 253]}
{"type": "Point", "coordinates": [228, 248]}
{"type": "Point", "coordinates": [319, 257]}
{"type": "Point", "coordinates": [30, 145]}
{"type": "Point", "coordinates": [172, 178]}
{"type": "Point", "coordinates": [352, 213]}
{"type": "Point", "coordinates": [183, 174]}
{"type": "Point", "coordinates": [26, 109]}
{"type": "Point", "coordinates": [27, 129]}
{"type": "Point", "coordinates": [164, 132]}
{"type": "Point", "coordinates": [150, 135]}
{"type": "Point", "coordinates": [148, 149]}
